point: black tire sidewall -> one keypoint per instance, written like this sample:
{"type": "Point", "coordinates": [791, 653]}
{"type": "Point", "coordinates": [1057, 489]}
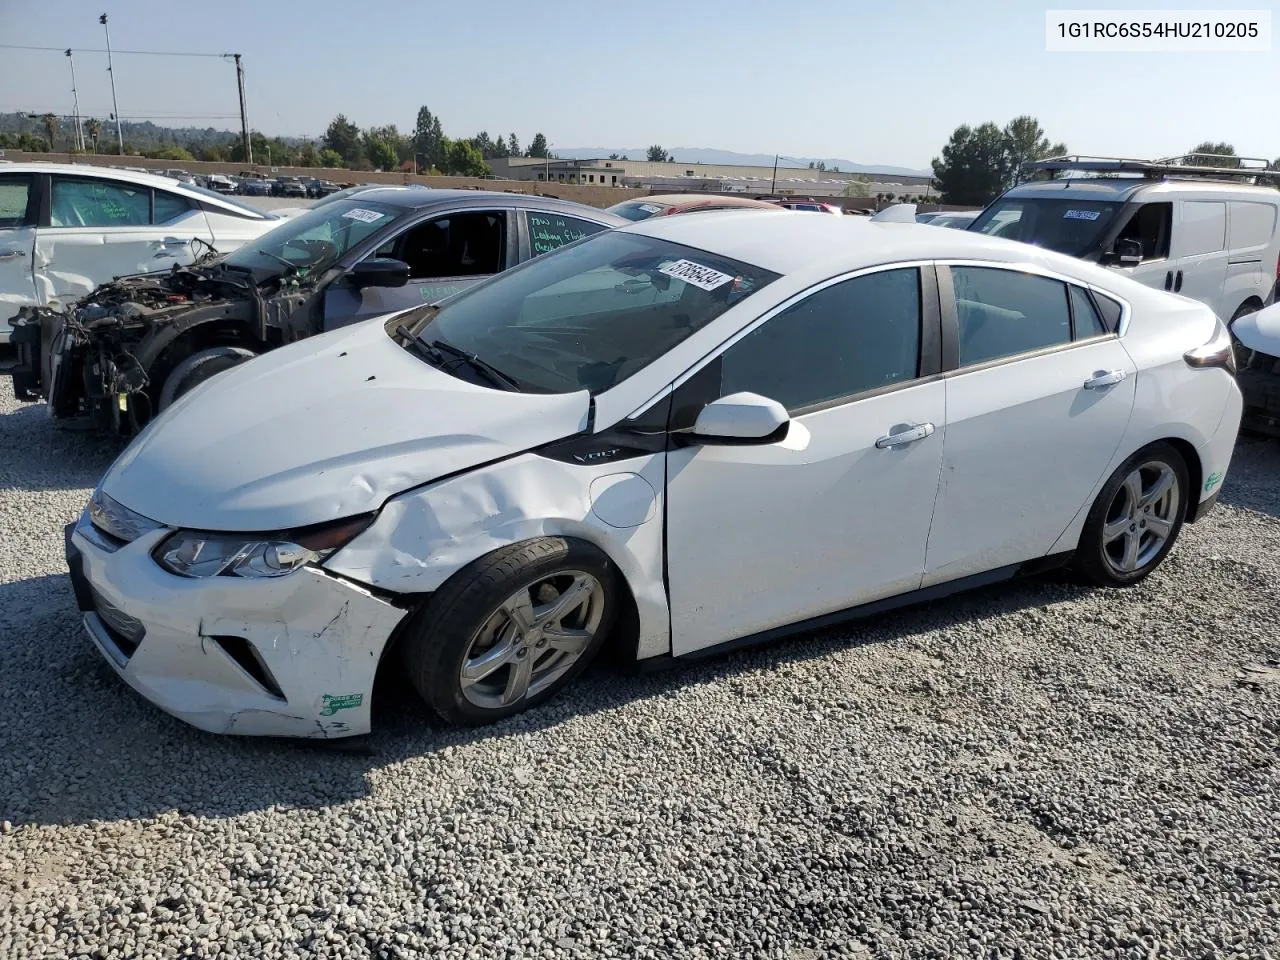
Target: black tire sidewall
{"type": "Point", "coordinates": [1090, 560]}
{"type": "Point", "coordinates": [442, 631]}
{"type": "Point", "coordinates": [188, 375]}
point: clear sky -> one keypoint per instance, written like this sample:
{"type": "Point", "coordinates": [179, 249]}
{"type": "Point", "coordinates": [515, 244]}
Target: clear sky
{"type": "Point", "coordinates": [882, 83]}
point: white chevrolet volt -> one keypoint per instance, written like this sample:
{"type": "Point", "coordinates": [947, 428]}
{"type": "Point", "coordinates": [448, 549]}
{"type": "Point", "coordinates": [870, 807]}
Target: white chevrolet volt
{"type": "Point", "coordinates": [677, 436]}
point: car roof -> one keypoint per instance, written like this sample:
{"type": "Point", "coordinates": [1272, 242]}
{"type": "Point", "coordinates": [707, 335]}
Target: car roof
{"type": "Point", "coordinates": [798, 242]}
{"type": "Point", "coordinates": [139, 179]}
{"type": "Point", "coordinates": [690, 199]}
{"type": "Point", "coordinates": [418, 198]}
{"type": "Point", "coordinates": [1116, 189]}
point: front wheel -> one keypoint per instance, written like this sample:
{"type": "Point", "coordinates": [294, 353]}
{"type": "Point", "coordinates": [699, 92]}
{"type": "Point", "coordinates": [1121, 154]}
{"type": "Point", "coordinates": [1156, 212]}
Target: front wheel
{"type": "Point", "coordinates": [198, 368]}
{"type": "Point", "coordinates": [1136, 518]}
{"type": "Point", "coordinates": [511, 629]}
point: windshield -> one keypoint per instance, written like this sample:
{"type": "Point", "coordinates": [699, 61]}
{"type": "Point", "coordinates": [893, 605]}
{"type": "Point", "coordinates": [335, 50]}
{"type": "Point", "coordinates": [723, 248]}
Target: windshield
{"type": "Point", "coordinates": [1070, 226]}
{"type": "Point", "coordinates": [592, 313]}
{"type": "Point", "coordinates": [312, 241]}
{"type": "Point", "coordinates": [635, 209]}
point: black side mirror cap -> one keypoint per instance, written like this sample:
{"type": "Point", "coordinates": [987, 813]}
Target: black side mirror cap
{"type": "Point", "coordinates": [1127, 253]}
{"type": "Point", "coordinates": [379, 272]}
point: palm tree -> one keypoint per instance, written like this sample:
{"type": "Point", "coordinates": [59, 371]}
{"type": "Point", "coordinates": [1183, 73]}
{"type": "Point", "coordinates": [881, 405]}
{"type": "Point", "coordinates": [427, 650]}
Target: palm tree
{"type": "Point", "coordinates": [50, 127]}
{"type": "Point", "coordinates": [93, 126]}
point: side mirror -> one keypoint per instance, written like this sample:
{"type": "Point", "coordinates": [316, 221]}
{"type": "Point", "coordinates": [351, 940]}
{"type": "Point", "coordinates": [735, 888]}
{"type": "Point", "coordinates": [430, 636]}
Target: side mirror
{"type": "Point", "coordinates": [379, 272]}
{"type": "Point", "coordinates": [742, 419]}
{"type": "Point", "coordinates": [1127, 253]}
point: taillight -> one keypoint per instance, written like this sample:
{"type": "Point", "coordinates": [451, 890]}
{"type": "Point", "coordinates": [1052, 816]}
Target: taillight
{"type": "Point", "coordinates": [1218, 352]}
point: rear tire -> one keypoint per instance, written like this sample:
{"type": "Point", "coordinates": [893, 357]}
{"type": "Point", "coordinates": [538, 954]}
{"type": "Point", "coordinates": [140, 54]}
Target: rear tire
{"type": "Point", "coordinates": [1243, 311]}
{"type": "Point", "coordinates": [511, 629]}
{"type": "Point", "coordinates": [1136, 518]}
{"type": "Point", "coordinates": [198, 368]}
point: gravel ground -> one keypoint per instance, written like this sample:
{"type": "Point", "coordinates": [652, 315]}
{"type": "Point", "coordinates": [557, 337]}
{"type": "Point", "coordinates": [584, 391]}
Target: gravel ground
{"type": "Point", "coordinates": [1033, 770]}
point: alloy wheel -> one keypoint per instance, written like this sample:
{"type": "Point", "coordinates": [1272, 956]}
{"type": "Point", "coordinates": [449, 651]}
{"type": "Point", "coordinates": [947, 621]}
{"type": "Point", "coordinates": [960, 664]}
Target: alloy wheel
{"type": "Point", "coordinates": [1141, 517]}
{"type": "Point", "coordinates": [532, 639]}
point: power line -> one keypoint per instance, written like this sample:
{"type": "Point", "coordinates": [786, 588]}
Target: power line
{"type": "Point", "coordinates": [139, 53]}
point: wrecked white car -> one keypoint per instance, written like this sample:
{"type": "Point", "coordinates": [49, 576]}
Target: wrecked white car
{"type": "Point", "coordinates": [1257, 342]}
{"type": "Point", "coordinates": [687, 433]}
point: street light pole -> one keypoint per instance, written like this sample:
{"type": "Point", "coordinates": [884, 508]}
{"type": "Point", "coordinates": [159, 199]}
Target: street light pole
{"type": "Point", "coordinates": [75, 100]}
{"type": "Point", "coordinates": [773, 187]}
{"type": "Point", "coordinates": [547, 158]}
{"type": "Point", "coordinates": [114, 104]}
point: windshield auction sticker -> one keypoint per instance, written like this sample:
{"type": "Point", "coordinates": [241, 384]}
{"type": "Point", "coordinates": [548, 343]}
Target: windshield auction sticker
{"type": "Point", "coordinates": [695, 273]}
{"type": "Point", "coordinates": [1082, 215]}
{"type": "Point", "coordinates": [364, 216]}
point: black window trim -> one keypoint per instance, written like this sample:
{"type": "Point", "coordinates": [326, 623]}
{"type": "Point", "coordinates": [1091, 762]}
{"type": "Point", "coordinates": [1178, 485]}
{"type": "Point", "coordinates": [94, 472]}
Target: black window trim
{"type": "Point", "coordinates": [929, 362]}
{"type": "Point", "coordinates": [951, 325]}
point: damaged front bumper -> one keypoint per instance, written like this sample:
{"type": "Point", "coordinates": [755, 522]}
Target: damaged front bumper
{"type": "Point", "coordinates": [293, 656]}
{"type": "Point", "coordinates": [1258, 376]}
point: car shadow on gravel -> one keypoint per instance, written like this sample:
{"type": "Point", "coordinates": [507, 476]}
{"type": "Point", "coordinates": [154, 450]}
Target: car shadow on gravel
{"type": "Point", "coordinates": [1254, 476]}
{"type": "Point", "coordinates": [36, 456]}
{"type": "Point", "coordinates": [80, 746]}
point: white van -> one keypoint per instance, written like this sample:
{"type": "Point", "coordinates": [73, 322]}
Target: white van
{"type": "Point", "coordinates": [1191, 233]}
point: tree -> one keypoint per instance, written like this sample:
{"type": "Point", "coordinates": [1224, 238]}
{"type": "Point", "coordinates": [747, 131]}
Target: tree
{"type": "Point", "coordinates": [170, 153]}
{"type": "Point", "coordinates": [343, 137]}
{"type": "Point", "coordinates": [974, 166]}
{"type": "Point", "coordinates": [614, 156]}
{"type": "Point", "coordinates": [538, 148]}
{"type": "Point", "coordinates": [428, 139]}
{"type": "Point", "coordinates": [657, 155]}
{"type": "Point", "coordinates": [330, 158]}
{"type": "Point", "coordinates": [1025, 143]}
{"type": "Point", "coordinates": [462, 159]}
{"type": "Point", "coordinates": [500, 148]}
{"type": "Point", "coordinates": [513, 145]}
{"type": "Point", "coordinates": [50, 121]}
{"type": "Point", "coordinates": [93, 127]}
{"type": "Point", "coordinates": [1215, 150]}
{"type": "Point", "coordinates": [380, 153]}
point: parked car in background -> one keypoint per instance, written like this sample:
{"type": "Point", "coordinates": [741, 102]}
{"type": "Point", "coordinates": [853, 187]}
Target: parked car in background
{"type": "Point", "coordinates": [664, 205]}
{"type": "Point", "coordinates": [137, 344]}
{"type": "Point", "coordinates": [255, 186]}
{"type": "Point", "coordinates": [359, 188]}
{"type": "Point", "coordinates": [66, 228]}
{"type": "Point", "coordinates": [808, 204]}
{"type": "Point", "coordinates": [1198, 231]}
{"type": "Point", "coordinates": [321, 188]}
{"type": "Point", "coordinates": [220, 184]}
{"type": "Point", "coordinates": [180, 175]}
{"type": "Point", "coordinates": [926, 217]}
{"type": "Point", "coordinates": [959, 219]}
{"type": "Point", "coordinates": [679, 436]}
{"type": "Point", "coordinates": [288, 187]}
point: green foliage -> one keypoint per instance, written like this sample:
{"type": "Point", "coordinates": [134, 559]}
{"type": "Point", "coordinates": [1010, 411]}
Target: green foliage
{"type": "Point", "coordinates": [170, 153]}
{"type": "Point", "coordinates": [657, 155]}
{"type": "Point", "coordinates": [513, 145]}
{"type": "Point", "coordinates": [343, 137]}
{"type": "Point", "coordinates": [462, 159]}
{"type": "Point", "coordinates": [1224, 150]}
{"type": "Point", "coordinates": [538, 148]}
{"type": "Point", "coordinates": [330, 158]}
{"type": "Point", "coordinates": [26, 142]}
{"type": "Point", "coordinates": [381, 154]}
{"type": "Point", "coordinates": [1026, 142]}
{"type": "Point", "coordinates": [980, 163]}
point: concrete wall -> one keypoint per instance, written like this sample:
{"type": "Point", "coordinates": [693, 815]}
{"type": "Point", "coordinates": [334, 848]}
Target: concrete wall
{"type": "Point", "coordinates": [595, 196]}
{"type": "Point", "coordinates": [523, 168]}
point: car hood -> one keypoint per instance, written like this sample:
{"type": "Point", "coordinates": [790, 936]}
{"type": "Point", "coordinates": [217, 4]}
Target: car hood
{"type": "Point", "coordinates": [1260, 331]}
{"type": "Point", "coordinates": [321, 429]}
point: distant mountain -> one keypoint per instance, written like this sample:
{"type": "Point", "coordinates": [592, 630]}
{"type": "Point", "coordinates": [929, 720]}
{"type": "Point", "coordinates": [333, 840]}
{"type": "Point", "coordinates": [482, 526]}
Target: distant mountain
{"type": "Point", "coordinates": [713, 156]}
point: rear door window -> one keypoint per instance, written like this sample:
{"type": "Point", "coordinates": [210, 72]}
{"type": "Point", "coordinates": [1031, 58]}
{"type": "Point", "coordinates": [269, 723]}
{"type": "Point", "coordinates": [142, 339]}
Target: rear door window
{"type": "Point", "coordinates": [1003, 313]}
{"type": "Point", "coordinates": [84, 202]}
{"type": "Point", "coordinates": [170, 207]}
{"type": "Point", "coordinates": [550, 231]}
{"type": "Point", "coordinates": [1252, 225]}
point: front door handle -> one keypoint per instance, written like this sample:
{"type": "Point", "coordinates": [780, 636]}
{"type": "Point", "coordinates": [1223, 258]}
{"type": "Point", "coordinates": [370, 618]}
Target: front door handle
{"type": "Point", "coordinates": [904, 434]}
{"type": "Point", "coordinates": [169, 242]}
{"type": "Point", "coordinates": [1104, 378]}
{"type": "Point", "coordinates": [1177, 282]}
{"type": "Point", "coordinates": [12, 254]}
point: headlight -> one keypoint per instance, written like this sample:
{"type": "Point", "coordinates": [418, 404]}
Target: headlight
{"type": "Point", "coordinates": [190, 553]}
{"type": "Point", "coordinates": [116, 520]}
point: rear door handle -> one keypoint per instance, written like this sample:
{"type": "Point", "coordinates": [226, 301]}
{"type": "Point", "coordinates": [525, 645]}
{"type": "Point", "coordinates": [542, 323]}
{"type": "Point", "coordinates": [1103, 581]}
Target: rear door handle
{"type": "Point", "coordinates": [1177, 282]}
{"type": "Point", "coordinates": [1168, 279]}
{"type": "Point", "coordinates": [907, 433]}
{"type": "Point", "coordinates": [1104, 378]}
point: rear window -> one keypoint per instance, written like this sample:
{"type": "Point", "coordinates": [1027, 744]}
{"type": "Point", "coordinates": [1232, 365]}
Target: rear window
{"type": "Point", "coordinates": [592, 313]}
{"type": "Point", "coordinates": [636, 209]}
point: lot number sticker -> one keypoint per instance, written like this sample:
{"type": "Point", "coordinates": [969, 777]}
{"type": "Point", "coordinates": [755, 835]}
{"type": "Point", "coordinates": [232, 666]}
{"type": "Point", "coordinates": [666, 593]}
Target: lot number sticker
{"type": "Point", "coordinates": [695, 273]}
{"type": "Point", "coordinates": [364, 216]}
{"type": "Point", "coordinates": [1082, 215]}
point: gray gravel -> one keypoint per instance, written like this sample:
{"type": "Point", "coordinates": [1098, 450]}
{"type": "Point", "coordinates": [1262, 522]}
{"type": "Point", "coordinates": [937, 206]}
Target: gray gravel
{"type": "Point", "coordinates": [1034, 770]}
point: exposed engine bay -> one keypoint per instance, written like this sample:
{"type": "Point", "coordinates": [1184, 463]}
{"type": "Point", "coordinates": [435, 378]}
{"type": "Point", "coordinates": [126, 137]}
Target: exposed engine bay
{"type": "Point", "coordinates": [115, 358]}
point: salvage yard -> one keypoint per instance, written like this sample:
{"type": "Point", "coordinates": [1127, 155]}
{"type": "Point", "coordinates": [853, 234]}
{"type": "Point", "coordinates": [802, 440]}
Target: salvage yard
{"type": "Point", "coordinates": [1032, 770]}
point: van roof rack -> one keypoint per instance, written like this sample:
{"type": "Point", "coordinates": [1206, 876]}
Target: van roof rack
{"type": "Point", "coordinates": [1189, 165]}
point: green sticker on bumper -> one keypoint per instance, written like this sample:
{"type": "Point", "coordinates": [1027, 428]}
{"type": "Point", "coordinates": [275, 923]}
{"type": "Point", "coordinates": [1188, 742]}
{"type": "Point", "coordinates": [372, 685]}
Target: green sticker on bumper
{"type": "Point", "coordinates": [1212, 481]}
{"type": "Point", "coordinates": [332, 703]}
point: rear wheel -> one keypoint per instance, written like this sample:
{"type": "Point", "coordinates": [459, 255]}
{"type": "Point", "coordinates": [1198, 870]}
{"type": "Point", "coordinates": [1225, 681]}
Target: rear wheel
{"type": "Point", "coordinates": [511, 629]}
{"type": "Point", "coordinates": [198, 368]}
{"type": "Point", "coordinates": [1136, 518]}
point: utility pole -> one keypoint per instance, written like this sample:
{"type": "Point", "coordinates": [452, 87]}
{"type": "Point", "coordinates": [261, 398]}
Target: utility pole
{"type": "Point", "coordinates": [75, 100]}
{"type": "Point", "coordinates": [773, 187]}
{"type": "Point", "coordinates": [114, 104]}
{"type": "Point", "coordinates": [244, 117]}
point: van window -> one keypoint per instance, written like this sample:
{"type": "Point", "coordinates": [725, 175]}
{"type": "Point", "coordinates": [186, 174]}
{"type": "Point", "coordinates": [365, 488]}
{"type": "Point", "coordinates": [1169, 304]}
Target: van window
{"type": "Point", "coordinates": [1252, 224]}
{"type": "Point", "coordinates": [1203, 228]}
{"type": "Point", "coordinates": [1073, 225]}
{"type": "Point", "coordinates": [1150, 225]}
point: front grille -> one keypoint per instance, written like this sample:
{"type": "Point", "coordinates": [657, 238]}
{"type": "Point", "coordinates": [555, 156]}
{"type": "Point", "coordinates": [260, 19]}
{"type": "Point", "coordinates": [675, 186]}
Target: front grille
{"type": "Point", "coordinates": [125, 630]}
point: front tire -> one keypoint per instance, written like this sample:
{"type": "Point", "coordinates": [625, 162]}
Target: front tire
{"type": "Point", "coordinates": [198, 368]}
{"type": "Point", "coordinates": [511, 629]}
{"type": "Point", "coordinates": [1136, 518]}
